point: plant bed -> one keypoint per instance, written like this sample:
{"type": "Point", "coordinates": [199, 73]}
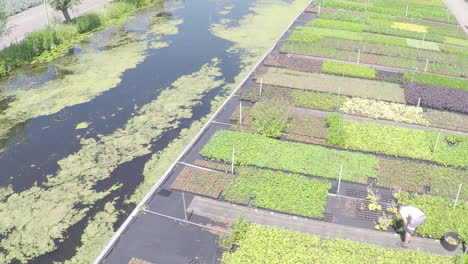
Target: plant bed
{"type": "Point", "coordinates": [260, 244]}
{"type": "Point", "coordinates": [257, 150]}
{"type": "Point", "coordinates": [447, 120]}
{"type": "Point", "coordinates": [293, 63]}
{"type": "Point", "coordinates": [441, 217]}
{"type": "Point", "coordinates": [347, 69]}
{"type": "Point", "coordinates": [334, 84]}
{"type": "Point", "coordinates": [397, 141]}
{"type": "Point", "coordinates": [436, 80]}
{"type": "Point", "coordinates": [278, 191]}
{"type": "Point", "coordinates": [218, 166]}
{"type": "Point", "coordinates": [203, 182]}
{"type": "Point", "coordinates": [268, 92]}
{"type": "Point", "coordinates": [436, 97]}
{"type": "Point", "coordinates": [412, 176]}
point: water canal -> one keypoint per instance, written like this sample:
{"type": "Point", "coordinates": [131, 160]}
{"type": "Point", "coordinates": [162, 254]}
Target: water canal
{"type": "Point", "coordinates": [82, 139]}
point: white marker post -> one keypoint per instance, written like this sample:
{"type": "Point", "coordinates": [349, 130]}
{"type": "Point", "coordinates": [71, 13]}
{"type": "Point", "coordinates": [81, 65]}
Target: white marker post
{"type": "Point", "coordinates": [240, 113]}
{"type": "Point", "coordinates": [419, 101]}
{"type": "Point", "coordinates": [406, 10]}
{"type": "Point", "coordinates": [185, 211]}
{"type": "Point", "coordinates": [437, 142]}
{"type": "Point", "coordinates": [261, 86]}
{"type": "Point", "coordinates": [339, 179]}
{"type": "Point", "coordinates": [427, 62]}
{"type": "Point", "coordinates": [458, 194]}
{"type": "Point", "coordinates": [232, 160]}
{"type": "Point", "coordinates": [358, 56]}
{"type": "Point", "coordinates": [318, 14]}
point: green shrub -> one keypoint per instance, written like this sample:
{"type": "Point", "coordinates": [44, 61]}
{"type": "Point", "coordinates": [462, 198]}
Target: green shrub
{"type": "Point", "coordinates": [441, 217]}
{"type": "Point", "coordinates": [257, 150]}
{"type": "Point", "coordinates": [271, 118]}
{"type": "Point", "coordinates": [260, 244]}
{"type": "Point", "coordinates": [348, 69]}
{"type": "Point", "coordinates": [436, 80]}
{"type": "Point", "coordinates": [88, 22]}
{"type": "Point", "coordinates": [279, 191]}
{"type": "Point", "coordinates": [336, 24]}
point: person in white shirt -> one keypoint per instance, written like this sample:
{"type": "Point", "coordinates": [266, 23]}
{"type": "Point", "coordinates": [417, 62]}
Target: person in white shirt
{"type": "Point", "coordinates": [412, 218]}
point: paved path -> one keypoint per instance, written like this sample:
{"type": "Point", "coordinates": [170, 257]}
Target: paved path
{"type": "Point", "coordinates": [35, 18]}
{"type": "Point", "coordinates": [225, 211]}
{"type": "Point", "coordinates": [459, 9]}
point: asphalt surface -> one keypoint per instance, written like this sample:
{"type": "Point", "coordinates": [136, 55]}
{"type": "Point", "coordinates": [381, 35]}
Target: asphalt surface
{"type": "Point", "coordinates": [459, 9]}
{"type": "Point", "coordinates": [35, 18]}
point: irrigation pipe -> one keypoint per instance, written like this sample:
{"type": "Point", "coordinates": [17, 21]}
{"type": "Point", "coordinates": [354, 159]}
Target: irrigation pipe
{"type": "Point", "coordinates": [135, 211]}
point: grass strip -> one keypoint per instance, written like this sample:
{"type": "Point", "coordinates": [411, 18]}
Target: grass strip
{"type": "Point", "coordinates": [441, 216]}
{"type": "Point", "coordinates": [348, 69]}
{"type": "Point", "coordinates": [279, 191]}
{"type": "Point", "coordinates": [436, 80]}
{"type": "Point", "coordinates": [257, 150]}
{"type": "Point", "coordinates": [398, 141]}
{"type": "Point", "coordinates": [258, 244]}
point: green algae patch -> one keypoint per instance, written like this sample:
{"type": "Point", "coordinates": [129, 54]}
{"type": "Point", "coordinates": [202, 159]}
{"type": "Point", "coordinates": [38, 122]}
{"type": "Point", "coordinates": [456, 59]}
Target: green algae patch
{"type": "Point", "coordinates": [82, 125]}
{"type": "Point", "coordinates": [258, 31]}
{"type": "Point", "coordinates": [98, 232]}
{"type": "Point", "coordinates": [37, 216]}
{"type": "Point", "coordinates": [87, 80]}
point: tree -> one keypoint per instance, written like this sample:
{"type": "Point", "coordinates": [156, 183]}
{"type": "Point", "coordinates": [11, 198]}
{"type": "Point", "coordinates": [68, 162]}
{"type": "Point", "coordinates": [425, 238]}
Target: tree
{"type": "Point", "coordinates": [63, 6]}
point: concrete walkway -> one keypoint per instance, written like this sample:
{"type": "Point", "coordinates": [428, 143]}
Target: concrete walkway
{"type": "Point", "coordinates": [35, 18]}
{"type": "Point", "coordinates": [459, 9]}
{"type": "Point", "coordinates": [229, 212]}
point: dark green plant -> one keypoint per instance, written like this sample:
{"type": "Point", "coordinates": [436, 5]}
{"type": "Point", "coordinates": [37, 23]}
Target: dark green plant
{"type": "Point", "coordinates": [271, 118]}
{"type": "Point", "coordinates": [336, 135]}
{"type": "Point", "coordinates": [238, 233]}
{"type": "Point", "coordinates": [88, 22]}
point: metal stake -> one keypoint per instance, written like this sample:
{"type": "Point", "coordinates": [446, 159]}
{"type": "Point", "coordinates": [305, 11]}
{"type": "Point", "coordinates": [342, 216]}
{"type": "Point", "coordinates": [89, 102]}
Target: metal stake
{"type": "Point", "coordinates": [240, 113]}
{"type": "Point", "coordinates": [437, 142]}
{"type": "Point", "coordinates": [339, 179]}
{"type": "Point", "coordinates": [261, 86]}
{"type": "Point", "coordinates": [185, 211]}
{"type": "Point", "coordinates": [358, 56]}
{"type": "Point", "coordinates": [419, 101]}
{"type": "Point", "coordinates": [427, 62]}
{"type": "Point", "coordinates": [46, 11]}
{"type": "Point", "coordinates": [232, 160]}
{"type": "Point", "coordinates": [318, 14]}
{"type": "Point", "coordinates": [406, 10]}
{"type": "Point", "coordinates": [458, 194]}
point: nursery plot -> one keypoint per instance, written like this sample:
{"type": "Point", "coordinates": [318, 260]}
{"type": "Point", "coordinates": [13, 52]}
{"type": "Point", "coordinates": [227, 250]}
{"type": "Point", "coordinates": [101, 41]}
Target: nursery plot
{"type": "Point", "coordinates": [436, 97]}
{"type": "Point", "coordinates": [202, 182]}
{"type": "Point", "coordinates": [414, 177]}
{"type": "Point", "coordinates": [334, 84]}
{"type": "Point", "coordinates": [397, 141]}
{"type": "Point", "coordinates": [261, 244]}
{"type": "Point", "coordinates": [279, 191]}
{"type": "Point", "coordinates": [441, 215]}
{"type": "Point", "coordinates": [257, 150]}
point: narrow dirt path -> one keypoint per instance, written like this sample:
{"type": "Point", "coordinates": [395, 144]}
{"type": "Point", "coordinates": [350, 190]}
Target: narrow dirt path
{"type": "Point", "coordinates": [35, 18]}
